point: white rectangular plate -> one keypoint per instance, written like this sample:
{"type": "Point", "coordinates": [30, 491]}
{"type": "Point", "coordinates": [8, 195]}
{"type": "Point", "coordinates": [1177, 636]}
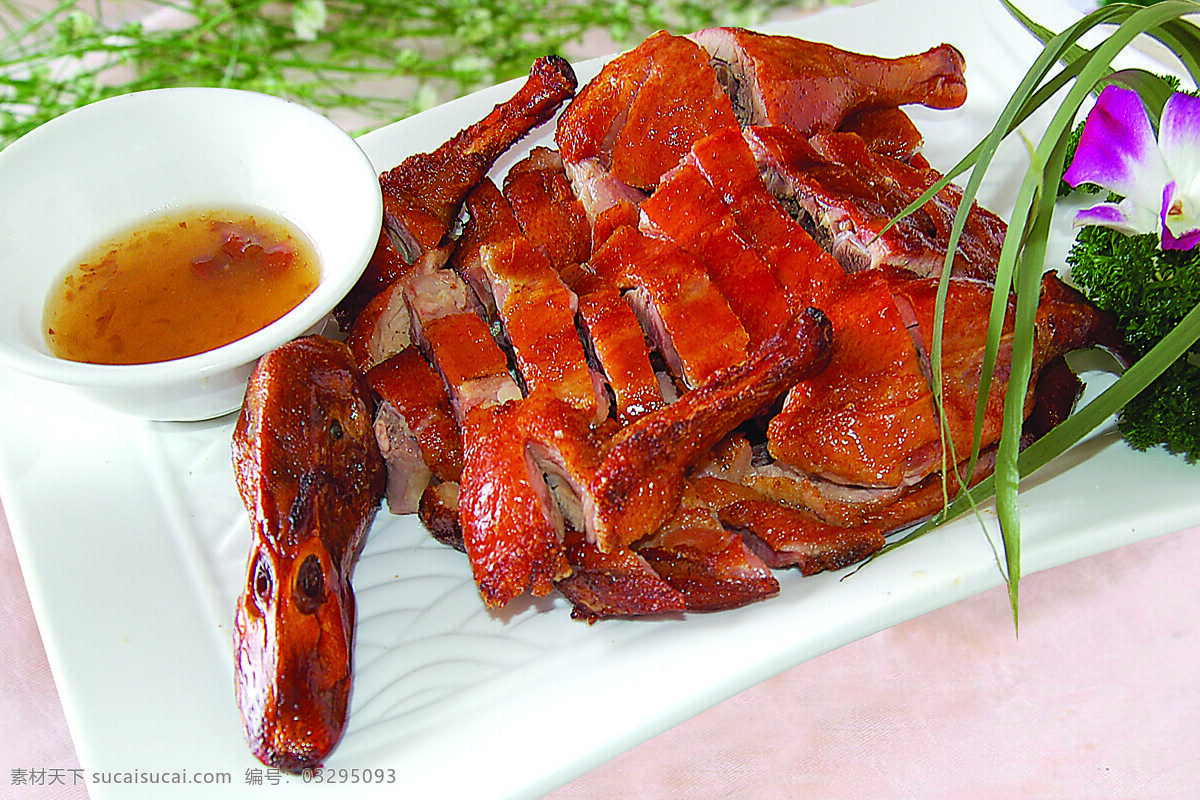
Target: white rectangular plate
{"type": "Point", "coordinates": [133, 543]}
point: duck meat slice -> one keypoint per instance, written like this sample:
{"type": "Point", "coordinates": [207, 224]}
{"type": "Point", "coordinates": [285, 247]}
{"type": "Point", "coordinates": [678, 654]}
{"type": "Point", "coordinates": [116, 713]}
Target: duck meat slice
{"type": "Point", "coordinates": [840, 504]}
{"type": "Point", "coordinates": [473, 367]}
{"type": "Point", "coordinates": [488, 222]}
{"type": "Point", "coordinates": [535, 308]}
{"type": "Point", "coordinates": [730, 459]}
{"type": "Point", "coordinates": [422, 195]}
{"type": "Point", "coordinates": [817, 439]}
{"type": "Point", "coordinates": [805, 271]}
{"type": "Point", "coordinates": [438, 512]}
{"type": "Point", "coordinates": [433, 295]}
{"type": "Point", "coordinates": [640, 478]}
{"type": "Point", "coordinates": [607, 202]}
{"type": "Point", "coordinates": [540, 322]}
{"type": "Point", "coordinates": [618, 584]}
{"type": "Point", "coordinates": [616, 347]}
{"type": "Point", "coordinates": [384, 268]}
{"type": "Point", "coordinates": [848, 196]}
{"type": "Point", "coordinates": [528, 462]}
{"type": "Point", "coordinates": [512, 524]}
{"type": "Point", "coordinates": [688, 211]}
{"type": "Point", "coordinates": [869, 419]}
{"type": "Point", "coordinates": [978, 249]}
{"type": "Point", "coordinates": [640, 115]}
{"type": "Point", "coordinates": [552, 217]}
{"type": "Point", "coordinates": [622, 214]}
{"type": "Point", "coordinates": [744, 278]}
{"type": "Point", "coordinates": [382, 328]}
{"type": "Point", "coordinates": [436, 294]}
{"type": "Point", "coordinates": [710, 566]}
{"type": "Point", "coordinates": [784, 535]}
{"type": "Point", "coordinates": [408, 473]}
{"type": "Point", "coordinates": [415, 426]}
{"type": "Point", "coordinates": [682, 312]}
{"type": "Point", "coordinates": [812, 87]}
{"type": "Point", "coordinates": [1058, 389]}
{"type": "Point", "coordinates": [458, 343]}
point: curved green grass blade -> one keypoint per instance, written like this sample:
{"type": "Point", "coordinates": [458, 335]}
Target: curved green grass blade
{"type": "Point", "coordinates": [1079, 425]}
{"type": "Point", "coordinates": [1023, 258]}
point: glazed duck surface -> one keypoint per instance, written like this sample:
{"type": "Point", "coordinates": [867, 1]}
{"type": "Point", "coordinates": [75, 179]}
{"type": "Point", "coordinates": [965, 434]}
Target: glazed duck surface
{"type": "Point", "coordinates": [676, 351]}
{"type": "Point", "coordinates": [310, 473]}
{"type": "Point", "coordinates": [684, 221]}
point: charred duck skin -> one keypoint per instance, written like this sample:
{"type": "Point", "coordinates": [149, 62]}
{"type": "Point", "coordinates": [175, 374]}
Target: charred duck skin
{"type": "Point", "coordinates": [310, 475]}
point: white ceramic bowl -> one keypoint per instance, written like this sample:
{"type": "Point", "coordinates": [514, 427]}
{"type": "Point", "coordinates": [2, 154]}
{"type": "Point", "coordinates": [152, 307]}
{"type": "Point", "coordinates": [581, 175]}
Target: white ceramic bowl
{"type": "Point", "coordinates": [96, 171]}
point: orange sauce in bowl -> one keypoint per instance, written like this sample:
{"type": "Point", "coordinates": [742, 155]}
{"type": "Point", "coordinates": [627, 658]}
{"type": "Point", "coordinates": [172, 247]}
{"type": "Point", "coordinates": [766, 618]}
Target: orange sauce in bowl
{"type": "Point", "coordinates": [179, 285]}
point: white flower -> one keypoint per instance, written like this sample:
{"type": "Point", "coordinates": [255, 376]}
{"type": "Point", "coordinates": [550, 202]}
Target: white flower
{"type": "Point", "coordinates": [308, 19]}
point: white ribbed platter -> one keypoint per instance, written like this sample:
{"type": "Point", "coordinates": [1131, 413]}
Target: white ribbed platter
{"type": "Point", "coordinates": [133, 543]}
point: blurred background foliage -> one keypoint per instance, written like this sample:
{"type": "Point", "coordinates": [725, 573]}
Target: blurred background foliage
{"type": "Point", "coordinates": [363, 63]}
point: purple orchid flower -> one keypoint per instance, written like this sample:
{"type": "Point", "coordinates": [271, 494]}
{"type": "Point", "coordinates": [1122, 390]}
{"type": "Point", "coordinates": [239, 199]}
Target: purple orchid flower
{"type": "Point", "coordinates": [1159, 181]}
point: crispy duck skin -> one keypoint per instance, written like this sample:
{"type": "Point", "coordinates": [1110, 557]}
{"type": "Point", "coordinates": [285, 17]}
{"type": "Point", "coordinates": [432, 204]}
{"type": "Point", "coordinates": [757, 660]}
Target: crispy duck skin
{"type": "Point", "coordinates": [806, 272]}
{"type": "Point", "coordinates": [709, 565]}
{"type": "Point", "coordinates": [812, 87]}
{"type": "Point", "coordinates": [1065, 322]}
{"type": "Point", "coordinates": [624, 486]}
{"type": "Point", "coordinates": [311, 477]}
{"type": "Point", "coordinates": [534, 306]}
{"type": "Point", "coordinates": [553, 219]}
{"type": "Point", "coordinates": [488, 223]}
{"type": "Point", "coordinates": [415, 426]}
{"type": "Point", "coordinates": [671, 292]}
{"type": "Point", "coordinates": [512, 527]}
{"type": "Point", "coordinates": [691, 563]}
{"type": "Point", "coordinates": [615, 343]}
{"type": "Point", "coordinates": [457, 342]}
{"type": "Point", "coordinates": [889, 132]}
{"type": "Point", "coordinates": [869, 419]}
{"type": "Point", "coordinates": [786, 537]}
{"type": "Point", "coordinates": [1058, 389]}
{"type": "Point", "coordinates": [817, 438]}
{"type": "Point", "coordinates": [619, 584]}
{"type": "Point", "coordinates": [474, 368]}
{"type": "Point", "coordinates": [620, 121]}
{"type": "Point", "coordinates": [978, 249]}
{"type": "Point", "coordinates": [688, 211]}
{"type": "Point", "coordinates": [539, 321]}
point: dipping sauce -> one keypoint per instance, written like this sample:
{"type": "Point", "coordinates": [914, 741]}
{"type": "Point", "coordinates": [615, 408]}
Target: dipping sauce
{"type": "Point", "coordinates": [178, 285]}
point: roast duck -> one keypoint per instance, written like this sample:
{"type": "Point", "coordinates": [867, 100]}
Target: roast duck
{"type": "Point", "coordinates": [645, 368]}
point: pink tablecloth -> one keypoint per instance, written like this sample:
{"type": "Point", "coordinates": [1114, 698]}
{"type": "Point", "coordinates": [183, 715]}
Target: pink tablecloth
{"type": "Point", "coordinates": [1097, 698]}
